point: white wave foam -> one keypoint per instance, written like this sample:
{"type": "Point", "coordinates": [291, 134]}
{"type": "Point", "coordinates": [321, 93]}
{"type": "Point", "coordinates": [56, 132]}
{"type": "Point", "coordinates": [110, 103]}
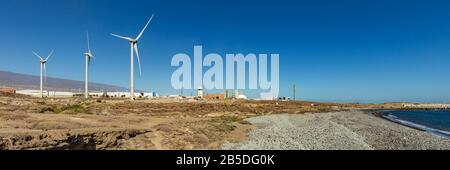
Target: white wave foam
{"type": "Point", "coordinates": [417, 126]}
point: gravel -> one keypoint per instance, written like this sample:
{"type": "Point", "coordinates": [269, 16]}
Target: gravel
{"type": "Point", "coordinates": [352, 130]}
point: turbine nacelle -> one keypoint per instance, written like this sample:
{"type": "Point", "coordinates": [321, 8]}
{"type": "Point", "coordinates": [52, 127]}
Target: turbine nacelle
{"type": "Point", "coordinates": [42, 60]}
{"type": "Point", "coordinates": [89, 54]}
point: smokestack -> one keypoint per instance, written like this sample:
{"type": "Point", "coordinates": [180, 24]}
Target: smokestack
{"type": "Point", "coordinates": [293, 92]}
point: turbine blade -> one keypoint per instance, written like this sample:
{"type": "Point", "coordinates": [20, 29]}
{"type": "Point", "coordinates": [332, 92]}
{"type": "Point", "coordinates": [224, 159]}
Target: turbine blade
{"type": "Point", "coordinates": [37, 55]}
{"type": "Point", "coordinates": [139, 61]}
{"type": "Point", "coordinates": [89, 61]}
{"type": "Point", "coordinates": [49, 55]}
{"type": "Point", "coordinates": [87, 36]}
{"type": "Point", "coordinates": [142, 32]}
{"type": "Point", "coordinates": [122, 37]}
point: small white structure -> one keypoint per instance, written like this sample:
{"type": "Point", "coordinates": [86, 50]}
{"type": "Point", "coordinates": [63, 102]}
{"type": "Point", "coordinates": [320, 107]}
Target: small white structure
{"type": "Point", "coordinates": [200, 92]}
{"type": "Point", "coordinates": [236, 93]}
{"type": "Point", "coordinates": [241, 96]}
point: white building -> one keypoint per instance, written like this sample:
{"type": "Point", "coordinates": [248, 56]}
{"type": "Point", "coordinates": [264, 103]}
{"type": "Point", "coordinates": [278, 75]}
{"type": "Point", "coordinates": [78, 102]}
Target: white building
{"type": "Point", "coordinates": [37, 93]}
{"type": "Point", "coordinates": [200, 92]}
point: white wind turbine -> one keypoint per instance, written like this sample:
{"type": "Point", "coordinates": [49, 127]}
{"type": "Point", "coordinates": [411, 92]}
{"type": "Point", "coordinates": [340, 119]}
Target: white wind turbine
{"type": "Point", "coordinates": [133, 42]}
{"type": "Point", "coordinates": [42, 63]}
{"type": "Point", "coordinates": [88, 56]}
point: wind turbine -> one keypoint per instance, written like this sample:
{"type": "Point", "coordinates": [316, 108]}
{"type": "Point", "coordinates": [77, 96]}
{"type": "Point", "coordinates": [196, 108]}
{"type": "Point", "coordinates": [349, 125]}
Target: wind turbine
{"type": "Point", "coordinates": [133, 43]}
{"type": "Point", "coordinates": [42, 63]}
{"type": "Point", "coordinates": [88, 56]}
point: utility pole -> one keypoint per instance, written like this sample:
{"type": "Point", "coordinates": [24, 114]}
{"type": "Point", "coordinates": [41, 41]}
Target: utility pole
{"type": "Point", "coordinates": [293, 92]}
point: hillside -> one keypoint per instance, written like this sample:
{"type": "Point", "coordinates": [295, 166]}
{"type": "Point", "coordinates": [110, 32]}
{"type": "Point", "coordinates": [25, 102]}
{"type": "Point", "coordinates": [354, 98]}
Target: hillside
{"type": "Point", "coordinates": [23, 81]}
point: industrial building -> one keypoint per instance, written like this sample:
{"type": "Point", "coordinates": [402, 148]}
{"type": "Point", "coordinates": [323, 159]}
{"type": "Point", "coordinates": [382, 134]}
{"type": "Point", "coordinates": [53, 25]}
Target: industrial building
{"type": "Point", "coordinates": [220, 96]}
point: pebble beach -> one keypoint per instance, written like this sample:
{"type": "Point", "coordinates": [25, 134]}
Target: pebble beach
{"type": "Point", "coordinates": [349, 130]}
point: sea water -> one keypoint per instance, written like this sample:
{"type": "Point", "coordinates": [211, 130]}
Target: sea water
{"type": "Point", "coordinates": [433, 121]}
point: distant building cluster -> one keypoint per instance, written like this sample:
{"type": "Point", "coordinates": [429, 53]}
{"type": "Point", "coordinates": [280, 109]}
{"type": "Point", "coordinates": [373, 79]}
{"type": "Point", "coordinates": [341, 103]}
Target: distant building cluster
{"type": "Point", "coordinates": [200, 95]}
{"type": "Point", "coordinates": [219, 96]}
{"type": "Point", "coordinates": [142, 95]}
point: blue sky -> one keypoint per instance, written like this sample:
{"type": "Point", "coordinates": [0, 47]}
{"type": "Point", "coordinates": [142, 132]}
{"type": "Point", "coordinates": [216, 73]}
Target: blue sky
{"type": "Point", "coordinates": [345, 51]}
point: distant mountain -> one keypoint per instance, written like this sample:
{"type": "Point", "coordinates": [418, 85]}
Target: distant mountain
{"type": "Point", "coordinates": [23, 81]}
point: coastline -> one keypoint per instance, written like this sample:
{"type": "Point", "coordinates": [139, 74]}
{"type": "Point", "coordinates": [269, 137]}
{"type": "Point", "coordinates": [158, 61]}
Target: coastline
{"type": "Point", "coordinates": [348, 130]}
{"type": "Point", "coordinates": [384, 115]}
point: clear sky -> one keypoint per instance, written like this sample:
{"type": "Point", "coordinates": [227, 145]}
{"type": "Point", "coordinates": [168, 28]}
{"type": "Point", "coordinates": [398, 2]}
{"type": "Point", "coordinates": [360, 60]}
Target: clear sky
{"type": "Point", "coordinates": [346, 50]}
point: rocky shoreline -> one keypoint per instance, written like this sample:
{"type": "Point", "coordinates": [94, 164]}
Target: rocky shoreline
{"type": "Point", "coordinates": [350, 130]}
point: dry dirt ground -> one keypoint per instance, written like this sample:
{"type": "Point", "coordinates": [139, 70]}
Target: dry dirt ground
{"type": "Point", "coordinates": [75, 123]}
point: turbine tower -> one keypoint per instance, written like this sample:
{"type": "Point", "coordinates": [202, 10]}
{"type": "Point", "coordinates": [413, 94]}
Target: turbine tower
{"type": "Point", "coordinates": [133, 43]}
{"type": "Point", "coordinates": [42, 63]}
{"type": "Point", "coordinates": [88, 56]}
